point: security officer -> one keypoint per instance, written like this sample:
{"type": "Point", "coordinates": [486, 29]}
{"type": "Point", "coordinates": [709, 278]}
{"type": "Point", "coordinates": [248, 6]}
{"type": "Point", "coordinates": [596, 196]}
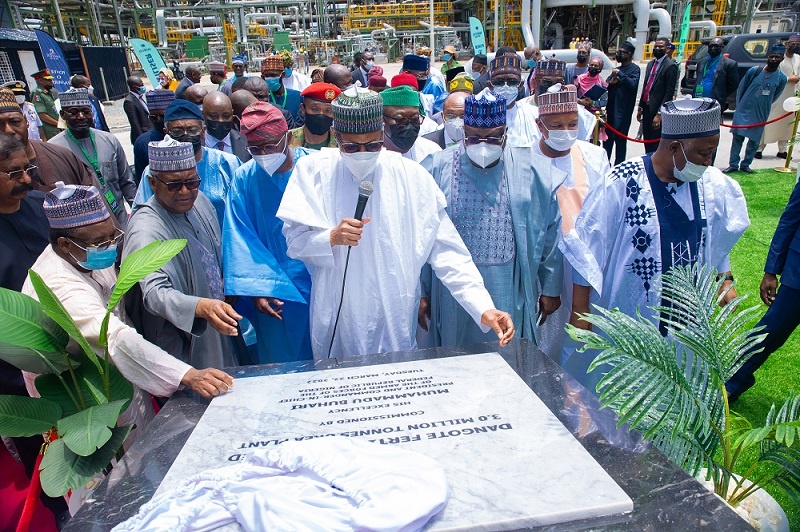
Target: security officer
{"type": "Point", "coordinates": [44, 101]}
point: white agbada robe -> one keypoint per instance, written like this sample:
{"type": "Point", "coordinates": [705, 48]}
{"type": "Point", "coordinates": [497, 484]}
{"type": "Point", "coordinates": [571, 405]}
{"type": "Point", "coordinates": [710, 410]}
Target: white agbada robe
{"type": "Point", "coordinates": [586, 120]}
{"type": "Point", "coordinates": [297, 81]}
{"type": "Point", "coordinates": [422, 148]}
{"type": "Point", "coordinates": [521, 125]}
{"type": "Point", "coordinates": [551, 334]}
{"type": "Point", "coordinates": [781, 130]}
{"type": "Point", "coordinates": [615, 245]}
{"type": "Point", "coordinates": [409, 227]}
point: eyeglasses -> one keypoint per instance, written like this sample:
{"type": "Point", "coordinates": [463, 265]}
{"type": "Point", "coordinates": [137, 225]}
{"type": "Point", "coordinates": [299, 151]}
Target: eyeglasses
{"type": "Point", "coordinates": [102, 246]}
{"type": "Point", "coordinates": [355, 147]}
{"type": "Point", "coordinates": [156, 118]}
{"type": "Point", "coordinates": [506, 82]}
{"type": "Point", "coordinates": [77, 111]}
{"type": "Point", "coordinates": [416, 120]}
{"type": "Point", "coordinates": [175, 186]}
{"type": "Point", "coordinates": [16, 175]}
{"type": "Point", "coordinates": [179, 132]}
{"type": "Point", "coordinates": [471, 140]}
{"type": "Point", "coordinates": [267, 149]}
{"type": "Point", "coordinates": [451, 116]}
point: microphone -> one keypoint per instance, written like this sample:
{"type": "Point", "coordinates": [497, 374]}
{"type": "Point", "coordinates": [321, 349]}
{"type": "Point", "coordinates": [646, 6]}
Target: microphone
{"type": "Point", "coordinates": [364, 190]}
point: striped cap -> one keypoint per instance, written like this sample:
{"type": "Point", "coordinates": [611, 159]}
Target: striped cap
{"type": "Point", "coordinates": [68, 206]}
{"type": "Point", "coordinates": [688, 118]}
{"type": "Point", "coordinates": [74, 98]}
{"type": "Point", "coordinates": [216, 66]}
{"type": "Point", "coordinates": [238, 60]}
{"type": "Point", "coordinates": [485, 109]}
{"type": "Point", "coordinates": [358, 110]}
{"type": "Point", "coordinates": [170, 155]}
{"type": "Point", "coordinates": [558, 99]}
{"type": "Point", "coordinates": [504, 65]}
{"type": "Point", "coordinates": [159, 99]}
{"type": "Point", "coordinates": [8, 102]}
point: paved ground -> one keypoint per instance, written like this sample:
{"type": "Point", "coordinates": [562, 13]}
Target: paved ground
{"type": "Point", "coordinates": [118, 123]}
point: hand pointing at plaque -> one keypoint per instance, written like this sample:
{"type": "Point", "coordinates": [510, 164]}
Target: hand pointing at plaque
{"type": "Point", "coordinates": [208, 382]}
{"type": "Point", "coordinates": [501, 324]}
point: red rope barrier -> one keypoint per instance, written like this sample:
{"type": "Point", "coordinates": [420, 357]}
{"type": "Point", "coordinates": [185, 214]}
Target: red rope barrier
{"type": "Point", "coordinates": [731, 126]}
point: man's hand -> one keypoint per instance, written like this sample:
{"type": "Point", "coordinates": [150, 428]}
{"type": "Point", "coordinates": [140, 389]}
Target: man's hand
{"type": "Point", "coordinates": [501, 324]}
{"type": "Point", "coordinates": [639, 113]}
{"type": "Point", "coordinates": [219, 315]}
{"type": "Point", "coordinates": [768, 288]}
{"type": "Point", "coordinates": [269, 306]}
{"type": "Point", "coordinates": [793, 79]}
{"type": "Point", "coordinates": [348, 232]}
{"type": "Point", "coordinates": [580, 305]}
{"type": "Point", "coordinates": [424, 313]}
{"type": "Point", "coordinates": [657, 121]}
{"type": "Point", "coordinates": [548, 305]}
{"type": "Point", "coordinates": [586, 102]}
{"type": "Point", "coordinates": [208, 382]}
{"type": "Point", "coordinates": [729, 295]}
{"type": "Point", "coordinates": [614, 79]}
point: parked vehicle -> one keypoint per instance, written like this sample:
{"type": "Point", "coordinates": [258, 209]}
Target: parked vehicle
{"type": "Point", "coordinates": [748, 50]}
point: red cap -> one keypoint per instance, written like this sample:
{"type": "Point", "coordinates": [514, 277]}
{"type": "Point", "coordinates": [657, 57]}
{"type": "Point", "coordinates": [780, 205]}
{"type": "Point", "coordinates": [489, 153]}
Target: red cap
{"type": "Point", "coordinates": [405, 78]}
{"type": "Point", "coordinates": [262, 120]}
{"type": "Point", "coordinates": [324, 92]}
{"type": "Point", "coordinates": [378, 81]}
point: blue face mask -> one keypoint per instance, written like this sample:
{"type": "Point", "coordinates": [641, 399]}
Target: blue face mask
{"type": "Point", "coordinates": [447, 57]}
{"type": "Point", "coordinates": [97, 259]}
{"type": "Point", "coordinates": [287, 71]}
{"type": "Point", "coordinates": [142, 90]}
{"type": "Point", "coordinates": [531, 63]}
{"type": "Point", "coordinates": [273, 84]}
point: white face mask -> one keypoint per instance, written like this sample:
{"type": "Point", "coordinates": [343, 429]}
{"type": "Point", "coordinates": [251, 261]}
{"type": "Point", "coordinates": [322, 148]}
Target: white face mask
{"type": "Point", "coordinates": [561, 139]}
{"type": "Point", "coordinates": [509, 93]}
{"type": "Point", "coordinates": [369, 65]}
{"type": "Point", "coordinates": [270, 163]}
{"type": "Point", "coordinates": [20, 99]}
{"type": "Point", "coordinates": [361, 164]}
{"type": "Point", "coordinates": [484, 154]}
{"type": "Point", "coordinates": [91, 90]}
{"type": "Point", "coordinates": [454, 128]}
{"type": "Point", "coordinates": [691, 172]}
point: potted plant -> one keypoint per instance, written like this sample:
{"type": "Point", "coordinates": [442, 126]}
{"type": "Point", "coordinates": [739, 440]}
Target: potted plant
{"type": "Point", "coordinates": [82, 395]}
{"type": "Point", "coordinates": [672, 388]}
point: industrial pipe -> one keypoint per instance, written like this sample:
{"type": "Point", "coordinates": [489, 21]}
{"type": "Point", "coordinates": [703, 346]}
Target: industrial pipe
{"type": "Point", "coordinates": [707, 24]}
{"type": "Point", "coordinates": [558, 42]}
{"type": "Point", "coordinates": [530, 34]}
{"type": "Point", "coordinates": [661, 16]}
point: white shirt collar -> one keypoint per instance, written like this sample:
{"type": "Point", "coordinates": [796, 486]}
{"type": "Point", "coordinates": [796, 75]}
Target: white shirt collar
{"type": "Point", "coordinates": [211, 142]}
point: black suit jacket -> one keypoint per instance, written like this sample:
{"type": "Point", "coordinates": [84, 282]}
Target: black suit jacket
{"type": "Point", "coordinates": [239, 146]}
{"type": "Point", "coordinates": [663, 88]}
{"type": "Point", "coordinates": [359, 75]}
{"type": "Point", "coordinates": [137, 116]}
{"type": "Point", "coordinates": [726, 79]}
{"type": "Point", "coordinates": [784, 252]}
{"type": "Point", "coordinates": [437, 137]}
{"type": "Point", "coordinates": [100, 115]}
{"type": "Point", "coordinates": [180, 90]}
{"type": "Point", "coordinates": [480, 83]}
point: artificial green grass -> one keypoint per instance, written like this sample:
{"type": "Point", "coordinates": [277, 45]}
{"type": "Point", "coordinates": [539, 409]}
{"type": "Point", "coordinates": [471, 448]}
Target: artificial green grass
{"type": "Point", "coordinates": [767, 193]}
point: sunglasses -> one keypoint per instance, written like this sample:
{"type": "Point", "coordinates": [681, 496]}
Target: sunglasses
{"type": "Point", "coordinates": [355, 147]}
{"type": "Point", "coordinates": [472, 140]}
{"type": "Point", "coordinates": [175, 186]}
{"type": "Point", "coordinates": [506, 82]}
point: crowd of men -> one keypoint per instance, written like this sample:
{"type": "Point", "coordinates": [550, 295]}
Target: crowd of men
{"type": "Point", "coordinates": [489, 214]}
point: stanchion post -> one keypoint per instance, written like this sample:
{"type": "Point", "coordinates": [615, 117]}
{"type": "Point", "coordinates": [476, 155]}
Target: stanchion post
{"type": "Point", "coordinates": [787, 167]}
{"type": "Point", "coordinates": [596, 134]}
{"type": "Point", "coordinates": [105, 87]}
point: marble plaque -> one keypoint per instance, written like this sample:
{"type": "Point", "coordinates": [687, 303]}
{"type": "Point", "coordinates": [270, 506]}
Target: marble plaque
{"type": "Point", "coordinates": [509, 461]}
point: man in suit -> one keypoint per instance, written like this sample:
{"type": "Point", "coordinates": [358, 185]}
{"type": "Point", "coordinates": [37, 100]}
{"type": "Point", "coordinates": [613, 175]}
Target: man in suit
{"type": "Point", "coordinates": [453, 115]}
{"type": "Point", "coordinates": [480, 71]}
{"type": "Point", "coordinates": [660, 78]}
{"type": "Point", "coordinates": [82, 82]}
{"type": "Point", "coordinates": [192, 77]}
{"type": "Point", "coordinates": [783, 314]}
{"type": "Point", "coordinates": [365, 62]}
{"type": "Point", "coordinates": [717, 76]}
{"type": "Point", "coordinates": [136, 108]}
{"type": "Point", "coordinates": [220, 135]}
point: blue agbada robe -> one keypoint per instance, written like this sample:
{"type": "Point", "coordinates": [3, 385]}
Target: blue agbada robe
{"type": "Point", "coordinates": [216, 169]}
{"type": "Point", "coordinates": [435, 87]}
{"type": "Point", "coordinates": [757, 91]}
{"type": "Point", "coordinates": [256, 265]}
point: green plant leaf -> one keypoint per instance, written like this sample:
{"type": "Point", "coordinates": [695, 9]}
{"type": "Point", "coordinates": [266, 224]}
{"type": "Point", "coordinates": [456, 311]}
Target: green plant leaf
{"type": "Point", "coordinates": [29, 340]}
{"type": "Point", "coordinates": [53, 307]}
{"type": "Point", "coordinates": [91, 386]}
{"type": "Point", "coordinates": [136, 266]}
{"type": "Point", "coordinates": [27, 416]}
{"type": "Point", "coordinates": [89, 429]}
{"type": "Point", "coordinates": [63, 470]}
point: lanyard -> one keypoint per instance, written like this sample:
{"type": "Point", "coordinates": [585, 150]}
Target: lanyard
{"type": "Point", "coordinates": [283, 103]}
{"type": "Point", "coordinates": [92, 159]}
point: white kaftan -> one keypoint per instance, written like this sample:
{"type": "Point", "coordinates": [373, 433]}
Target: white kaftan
{"type": "Point", "coordinates": [781, 130]}
{"type": "Point", "coordinates": [422, 148]}
{"type": "Point", "coordinates": [409, 227]}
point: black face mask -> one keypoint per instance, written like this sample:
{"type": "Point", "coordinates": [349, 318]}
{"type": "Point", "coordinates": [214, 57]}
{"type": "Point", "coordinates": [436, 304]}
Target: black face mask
{"type": "Point", "coordinates": [582, 58]}
{"type": "Point", "coordinates": [195, 141]}
{"type": "Point", "coordinates": [658, 53]}
{"type": "Point", "coordinates": [794, 49]}
{"type": "Point", "coordinates": [218, 130]}
{"type": "Point", "coordinates": [421, 83]}
{"type": "Point", "coordinates": [773, 65]}
{"type": "Point", "coordinates": [594, 71]}
{"type": "Point", "coordinates": [404, 135]}
{"type": "Point", "coordinates": [714, 52]}
{"type": "Point", "coordinates": [318, 124]}
{"type": "Point", "coordinates": [158, 125]}
{"type": "Point", "coordinates": [544, 85]}
{"type": "Point", "coordinates": [618, 58]}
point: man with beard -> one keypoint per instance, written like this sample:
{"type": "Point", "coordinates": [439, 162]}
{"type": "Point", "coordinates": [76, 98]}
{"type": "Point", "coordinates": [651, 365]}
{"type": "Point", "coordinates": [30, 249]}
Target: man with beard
{"type": "Point", "coordinates": [220, 134]}
{"type": "Point", "coordinates": [316, 107]}
{"type": "Point", "coordinates": [98, 149]}
{"type": "Point", "coordinates": [402, 120]}
{"type": "Point", "coordinates": [157, 102]}
{"type": "Point", "coordinates": [183, 122]}
{"type": "Point", "coordinates": [50, 163]}
{"type": "Point", "coordinates": [44, 101]}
